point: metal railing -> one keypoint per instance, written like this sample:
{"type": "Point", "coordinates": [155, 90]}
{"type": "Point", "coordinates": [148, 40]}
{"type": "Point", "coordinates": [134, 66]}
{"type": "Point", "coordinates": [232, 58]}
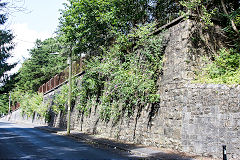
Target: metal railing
{"type": "Point", "coordinates": [62, 77]}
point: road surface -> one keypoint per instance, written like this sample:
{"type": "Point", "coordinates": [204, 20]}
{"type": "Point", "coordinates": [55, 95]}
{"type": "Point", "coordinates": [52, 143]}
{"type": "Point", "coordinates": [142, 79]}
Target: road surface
{"type": "Point", "coordinates": [21, 142]}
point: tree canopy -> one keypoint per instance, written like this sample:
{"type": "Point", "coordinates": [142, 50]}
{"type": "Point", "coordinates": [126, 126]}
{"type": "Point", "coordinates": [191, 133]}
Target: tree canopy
{"type": "Point", "coordinates": [6, 45]}
{"type": "Point", "coordinates": [110, 32]}
{"type": "Point", "coordinates": [90, 24]}
{"type": "Point", "coordinates": [43, 64]}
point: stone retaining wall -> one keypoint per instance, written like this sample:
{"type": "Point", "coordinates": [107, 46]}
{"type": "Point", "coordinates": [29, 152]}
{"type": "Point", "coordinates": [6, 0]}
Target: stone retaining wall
{"type": "Point", "coordinates": [17, 117]}
{"type": "Point", "coordinates": [194, 118]}
{"type": "Point", "coordinates": [210, 119]}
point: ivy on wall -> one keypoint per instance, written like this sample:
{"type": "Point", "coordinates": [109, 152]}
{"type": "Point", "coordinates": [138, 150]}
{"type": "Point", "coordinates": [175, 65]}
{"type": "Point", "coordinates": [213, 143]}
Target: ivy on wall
{"type": "Point", "coordinates": [60, 99]}
{"type": "Point", "coordinates": [122, 78]}
{"type": "Point", "coordinates": [125, 76]}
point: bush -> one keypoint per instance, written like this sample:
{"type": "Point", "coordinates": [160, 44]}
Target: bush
{"type": "Point", "coordinates": [61, 98]}
{"type": "Point", "coordinates": [125, 75]}
{"type": "Point", "coordinates": [224, 69]}
{"type": "Point", "coordinates": [31, 103]}
{"type": "Point", "coordinates": [4, 104]}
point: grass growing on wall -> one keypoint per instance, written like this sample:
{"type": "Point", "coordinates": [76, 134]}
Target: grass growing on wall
{"type": "Point", "coordinates": [224, 69]}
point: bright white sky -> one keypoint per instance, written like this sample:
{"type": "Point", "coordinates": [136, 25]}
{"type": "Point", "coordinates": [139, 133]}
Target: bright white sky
{"type": "Point", "coordinates": [38, 21]}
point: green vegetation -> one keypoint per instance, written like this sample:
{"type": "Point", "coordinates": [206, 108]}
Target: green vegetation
{"type": "Point", "coordinates": [199, 7]}
{"type": "Point", "coordinates": [89, 24]}
{"type": "Point", "coordinates": [225, 69]}
{"type": "Point", "coordinates": [6, 45]}
{"type": "Point", "coordinates": [123, 64]}
{"type": "Point", "coordinates": [4, 103]}
{"type": "Point", "coordinates": [222, 66]}
{"type": "Point", "coordinates": [31, 103]}
{"type": "Point", "coordinates": [41, 66]}
{"type": "Point", "coordinates": [125, 76]}
{"type": "Point", "coordinates": [60, 99]}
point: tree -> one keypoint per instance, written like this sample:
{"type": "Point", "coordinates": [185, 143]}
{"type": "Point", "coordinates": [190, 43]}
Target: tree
{"type": "Point", "coordinates": [9, 84]}
{"type": "Point", "coordinates": [90, 24]}
{"type": "Point", "coordinates": [42, 65]}
{"type": "Point", "coordinates": [226, 13]}
{"type": "Point", "coordinates": [3, 104]}
{"type": "Point", "coordinates": [231, 20]}
{"type": "Point", "coordinates": [6, 45]}
{"type": "Point", "coordinates": [166, 10]}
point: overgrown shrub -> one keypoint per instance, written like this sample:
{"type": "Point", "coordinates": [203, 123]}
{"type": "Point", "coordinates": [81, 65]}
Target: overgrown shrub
{"type": "Point", "coordinates": [4, 103]}
{"type": "Point", "coordinates": [225, 68]}
{"type": "Point", "coordinates": [125, 76]}
{"type": "Point", "coordinates": [33, 102]}
{"type": "Point", "coordinates": [30, 103]}
{"type": "Point", "coordinates": [61, 98]}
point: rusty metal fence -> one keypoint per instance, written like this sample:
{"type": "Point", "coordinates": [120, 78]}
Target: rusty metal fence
{"type": "Point", "coordinates": [15, 107]}
{"type": "Point", "coordinates": [59, 79]}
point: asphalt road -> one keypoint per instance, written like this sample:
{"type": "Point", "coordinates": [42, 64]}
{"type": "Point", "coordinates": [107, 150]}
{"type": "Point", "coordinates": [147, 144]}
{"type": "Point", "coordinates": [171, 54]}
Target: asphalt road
{"type": "Point", "coordinates": [24, 142]}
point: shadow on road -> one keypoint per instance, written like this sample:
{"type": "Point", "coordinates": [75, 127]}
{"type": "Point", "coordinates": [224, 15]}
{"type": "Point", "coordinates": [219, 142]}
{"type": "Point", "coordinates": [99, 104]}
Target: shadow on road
{"type": "Point", "coordinates": [20, 142]}
{"type": "Point", "coordinates": [31, 138]}
{"type": "Point", "coordinates": [140, 152]}
{"type": "Point", "coordinates": [137, 151]}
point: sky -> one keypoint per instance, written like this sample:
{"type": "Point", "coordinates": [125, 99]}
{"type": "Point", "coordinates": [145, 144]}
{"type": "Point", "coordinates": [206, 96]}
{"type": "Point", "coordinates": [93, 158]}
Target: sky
{"type": "Point", "coordinates": [38, 20]}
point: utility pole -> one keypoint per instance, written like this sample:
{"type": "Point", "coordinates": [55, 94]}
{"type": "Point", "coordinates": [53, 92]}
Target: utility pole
{"type": "Point", "coordinates": [70, 91]}
{"type": "Point", "coordinates": [9, 106]}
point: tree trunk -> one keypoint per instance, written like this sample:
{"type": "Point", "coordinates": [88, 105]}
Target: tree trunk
{"type": "Point", "coordinates": [232, 22]}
